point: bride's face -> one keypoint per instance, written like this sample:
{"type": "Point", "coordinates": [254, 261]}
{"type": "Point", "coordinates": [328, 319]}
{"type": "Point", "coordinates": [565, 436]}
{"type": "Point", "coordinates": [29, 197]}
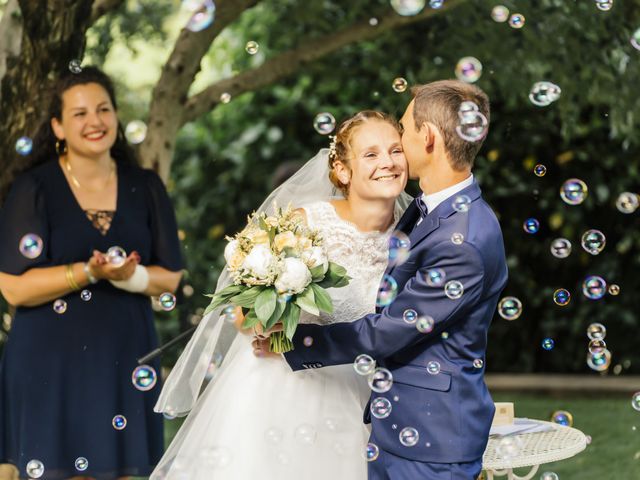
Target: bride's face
{"type": "Point", "coordinates": [378, 165]}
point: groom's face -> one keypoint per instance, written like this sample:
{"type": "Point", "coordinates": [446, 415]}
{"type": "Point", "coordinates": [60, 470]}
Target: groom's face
{"type": "Point", "coordinates": [413, 142]}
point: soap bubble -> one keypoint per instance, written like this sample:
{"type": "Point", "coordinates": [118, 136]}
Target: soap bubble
{"type": "Point", "coordinates": [510, 308]}
{"type": "Point", "coordinates": [548, 344]}
{"type": "Point", "coordinates": [144, 377]}
{"type": "Point", "coordinates": [500, 13]}
{"type": "Point", "coordinates": [561, 248]}
{"type": "Point", "coordinates": [81, 464]}
{"type": "Point", "coordinates": [85, 295]}
{"type": "Point", "coordinates": [453, 289]}
{"type": "Point", "coordinates": [435, 4]}
{"type": "Point", "coordinates": [399, 85]}
{"type": "Point", "coordinates": [31, 245]}
{"type": "Point", "coordinates": [381, 407]}
{"type": "Point", "coordinates": [60, 306]}
{"type": "Point", "coordinates": [635, 39]}
{"type": "Point", "coordinates": [203, 14]}
{"type": "Point", "coordinates": [604, 5]}
{"type": "Point", "coordinates": [478, 363]}
{"type": "Point", "coordinates": [574, 191]}
{"type": "Point", "coordinates": [116, 256]}
{"type": "Point", "coordinates": [35, 468]}
{"type": "Point", "coordinates": [597, 346]}
{"type": "Point", "coordinates": [549, 476]}
{"type": "Point", "coordinates": [307, 341]}
{"type": "Point", "coordinates": [562, 297]}
{"type": "Point", "coordinates": [364, 364]}
{"type": "Point", "coordinates": [252, 47]}
{"type": "Point", "coordinates": [596, 331]}
{"type": "Point", "coordinates": [472, 124]}
{"type": "Point", "coordinates": [75, 66]}
{"type": "Point", "coordinates": [544, 93]}
{"type": "Point", "coordinates": [509, 447]}
{"type": "Point", "coordinates": [594, 287]}
{"type": "Point", "coordinates": [408, 8]}
{"type": "Point", "coordinates": [399, 248]}
{"type": "Point", "coordinates": [562, 417]}
{"type": "Point", "coordinates": [433, 367]}
{"type": "Point", "coordinates": [531, 225]}
{"type": "Point", "coordinates": [540, 170]}
{"type": "Point", "coordinates": [387, 291]}
{"type": "Point", "coordinates": [468, 69]}
{"type": "Point", "coordinates": [627, 202]}
{"type": "Point", "coordinates": [614, 289]}
{"type": "Point", "coordinates": [461, 203]}
{"type": "Point", "coordinates": [371, 452]}
{"type": "Point", "coordinates": [599, 362]}
{"type": "Point", "coordinates": [435, 277]}
{"type": "Point", "coordinates": [136, 131]}
{"type": "Point", "coordinates": [410, 316]}
{"type": "Point", "coordinates": [457, 238]}
{"type": "Point", "coordinates": [516, 20]}
{"type": "Point", "coordinates": [167, 301]}
{"type": "Point", "coordinates": [119, 422]}
{"type": "Point", "coordinates": [381, 380]}
{"type": "Point", "coordinates": [305, 434]}
{"type": "Point", "coordinates": [409, 436]}
{"type": "Point", "coordinates": [24, 146]}
{"type": "Point", "coordinates": [225, 97]}
{"type": "Point", "coordinates": [635, 401]}
{"type": "Point", "coordinates": [593, 241]}
{"type": "Point", "coordinates": [425, 324]}
{"type": "Point", "coordinates": [324, 123]}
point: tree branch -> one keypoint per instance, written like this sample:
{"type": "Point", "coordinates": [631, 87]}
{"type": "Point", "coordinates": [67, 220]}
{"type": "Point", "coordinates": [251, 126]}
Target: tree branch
{"type": "Point", "coordinates": [288, 62]}
{"type": "Point", "coordinates": [10, 35]}
{"type": "Point", "coordinates": [103, 6]}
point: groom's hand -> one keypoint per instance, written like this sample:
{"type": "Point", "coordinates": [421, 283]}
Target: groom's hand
{"type": "Point", "coordinates": [261, 348]}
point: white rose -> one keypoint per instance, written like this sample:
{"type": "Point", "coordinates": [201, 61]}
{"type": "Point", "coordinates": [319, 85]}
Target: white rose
{"type": "Point", "coordinates": [316, 256]}
{"type": "Point", "coordinates": [259, 261]}
{"type": "Point", "coordinates": [230, 250]}
{"type": "Point", "coordinates": [294, 277]}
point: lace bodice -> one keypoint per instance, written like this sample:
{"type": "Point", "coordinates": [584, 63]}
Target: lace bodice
{"type": "Point", "coordinates": [363, 254]}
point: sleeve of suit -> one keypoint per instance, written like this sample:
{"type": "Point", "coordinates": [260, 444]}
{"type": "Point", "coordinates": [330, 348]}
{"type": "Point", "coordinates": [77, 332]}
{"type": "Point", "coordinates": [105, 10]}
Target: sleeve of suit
{"type": "Point", "coordinates": [380, 335]}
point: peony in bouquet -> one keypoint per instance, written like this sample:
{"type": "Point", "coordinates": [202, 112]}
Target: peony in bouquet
{"type": "Point", "coordinates": [279, 267]}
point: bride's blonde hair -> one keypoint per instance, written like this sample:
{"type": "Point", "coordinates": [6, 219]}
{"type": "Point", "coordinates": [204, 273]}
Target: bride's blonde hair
{"type": "Point", "coordinates": [340, 148]}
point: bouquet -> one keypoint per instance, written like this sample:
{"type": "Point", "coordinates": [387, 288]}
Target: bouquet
{"type": "Point", "coordinates": [279, 267]}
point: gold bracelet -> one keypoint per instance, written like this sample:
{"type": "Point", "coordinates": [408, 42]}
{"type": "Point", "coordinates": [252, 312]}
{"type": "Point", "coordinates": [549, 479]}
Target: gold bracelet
{"type": "Point", "coordinates": [70, 278]}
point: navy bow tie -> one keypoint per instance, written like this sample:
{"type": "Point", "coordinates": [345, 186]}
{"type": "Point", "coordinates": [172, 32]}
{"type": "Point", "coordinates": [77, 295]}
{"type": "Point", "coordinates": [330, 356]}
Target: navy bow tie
{"type": "Point", "coordinates": [422, 207]}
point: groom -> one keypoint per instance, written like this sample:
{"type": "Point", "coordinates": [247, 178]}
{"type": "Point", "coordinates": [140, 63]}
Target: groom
{"type": "Point", "coordinates": [438, 374]}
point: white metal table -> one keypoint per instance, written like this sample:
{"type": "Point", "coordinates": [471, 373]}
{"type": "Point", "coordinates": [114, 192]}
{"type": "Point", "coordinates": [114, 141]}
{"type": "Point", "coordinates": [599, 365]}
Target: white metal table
{"type": "Point", "coordinates": [537, 448]}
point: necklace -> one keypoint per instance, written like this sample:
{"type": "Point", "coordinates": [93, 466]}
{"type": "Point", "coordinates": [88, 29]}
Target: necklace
{"type": "Point", "coordinates": [77, 183]}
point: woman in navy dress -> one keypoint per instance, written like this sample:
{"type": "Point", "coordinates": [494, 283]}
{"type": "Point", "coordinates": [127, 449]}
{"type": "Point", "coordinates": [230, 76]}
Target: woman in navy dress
{"type": "Point", "coordinates": [68, 406]}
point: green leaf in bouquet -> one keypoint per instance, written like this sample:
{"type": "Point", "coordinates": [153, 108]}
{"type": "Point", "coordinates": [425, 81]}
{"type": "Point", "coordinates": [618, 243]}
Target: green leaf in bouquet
{"type": "Point", "coordinates": [248, 297]}
{"type": "Point", "coordinates": [306, 301]}
{"type": "Point", "coordinates": [265, 304]}
{"type": "Point", "coordinates": [263, 224]}
{"type": "Point", "coordinates": [290, 319]}
{"type": "Point", "coordinates": [223, 296]}
{"type": "Point", "coordinates": [250, 319]}
{"type": "Point", "coordinates": [343, 282]}
{"type": "Point", "coordinates": [322, 298]}
{"type": "Point", "coordinates": [317, 273]}
{"type": "Point", "coordinates": [337, 270]}
{"type": "Point", "coordinates": [281, 305]}
{"type": "Point", "coordinates": [336, 277]}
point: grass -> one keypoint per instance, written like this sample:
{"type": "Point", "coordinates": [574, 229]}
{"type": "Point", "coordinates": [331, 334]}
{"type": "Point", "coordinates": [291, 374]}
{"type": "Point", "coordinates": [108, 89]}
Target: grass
{"type": "Point", "coordinates": [614, 452]}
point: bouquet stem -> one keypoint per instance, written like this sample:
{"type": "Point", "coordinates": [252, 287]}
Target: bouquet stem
{"type": "Point", "coordinates": [279, 343]}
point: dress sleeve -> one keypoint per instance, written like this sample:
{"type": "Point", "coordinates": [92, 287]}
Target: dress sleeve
{"type": "Point", "coordinates": [24, 241]}
{"type": "Point", "coordinates": [165, 250]}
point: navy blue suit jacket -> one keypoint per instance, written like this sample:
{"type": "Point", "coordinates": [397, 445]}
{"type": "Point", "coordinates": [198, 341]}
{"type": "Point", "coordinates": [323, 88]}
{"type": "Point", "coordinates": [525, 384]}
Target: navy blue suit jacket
{"type": "Point", "coordinates": [452, 410]}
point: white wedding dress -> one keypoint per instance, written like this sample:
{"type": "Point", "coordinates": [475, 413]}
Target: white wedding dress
{"type": "Point", "coordinates": [257, 419]}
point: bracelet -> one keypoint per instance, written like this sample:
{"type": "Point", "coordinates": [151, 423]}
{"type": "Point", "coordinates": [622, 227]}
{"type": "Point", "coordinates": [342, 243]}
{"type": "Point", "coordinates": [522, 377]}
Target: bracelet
{"type": "Point", "coordinates": [137, 283]}
{"type": "Point", "coordinates": [68, 271]}
{"type": "Point", "coordinates": [87, 271]}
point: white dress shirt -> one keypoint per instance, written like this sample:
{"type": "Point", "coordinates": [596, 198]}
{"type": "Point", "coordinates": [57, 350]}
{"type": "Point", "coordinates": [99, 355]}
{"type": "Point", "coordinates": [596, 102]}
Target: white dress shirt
{"type": "Point", "coordinates": [434, 199]}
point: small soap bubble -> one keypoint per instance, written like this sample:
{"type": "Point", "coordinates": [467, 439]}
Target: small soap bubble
{"type": "Point", "coordinates": [435, 277]}
{"type": "Point", "coordinates": [604, 5]}
{"type": "Point", "coordinates": [594, 287]}
{"type": "Point", "coordinates": [81, 464]}
{"type": "Point", "coordinates": [75, 66]}
{"type": "Point", "coordinates": [457, 238]}
{"type": "Point", "coordinates": [408, 8]}
{"type": "Point", "coordinates": [373, 21]}
{"type": "Point", "coordinates": [307, 341]}
{"type": "Point", "coordinates": [596, 331]}
{"type": "Point", "coordinates": [562, 417]}
{"type": "Point", "coordinates": [510, 308]}
{"type": "Point", "coordinates": [433, 367]}
{"type": "Point", "coordinates": [549, 476]}
{"type": "Point", "coordinates": [409, 436]}
{"type": "Point", "coordinates": [144, 377]}
{"type": "Point", "coordinates": [500, 14]}
{"type": "Point", "coordinates": [635, 401]}
{"type": "Point", "coordinates": [371, 452]}
{"type": "Point", "coordinates": [597, 346]}
{"type": "Point", "coordinates": [119, 422]}
{"type": "Point", "coordinates": [410, 316]}
{"type": "Point", "coordinates": [204, 12]}
{"type": "Point", "coordinates": [399, 85]}
{"type": "Point", "coordinates": [425, 324]}
{"type": "Point", "coordinates": [399, 248]}
{"type": "Point", "coordinates": [635, 39]}
{"type": "Point", "coordinates": [116, 256]}
{"type": "Point", "coordinates": [543, 94]}
{"type": "Point", "coordinates": [593, 241]}
{"type": "Point", "coordinates": [472, 124]}
{"type": "Point", "coordinates": [225, 97]}
{"type": "Point", "coordinates": [136, 132]}
{"type": "Point", "coordinates": [516, 20]}
{"type": "Point", "coordinates": [445, 335]}
{"type": "Point", "coordinates": [453, 289]}
{"type": "Point", "coordinates": [531, 225]}
{"type": "Point", "coordinates": [381, 407]}
{"type": "Point", "coordinates": [273, 435]}
{"type": "Point", "coordinates": [562, 297]}
{"type": "Point", "coordinates": [85, 295]}
{"type": "Point", "coordinates": [381, 380]}
{"type": "Point", "coordinates": [561, 248]}
{"type": "Point", "coordinates": [509, 447]}
{"type": "Point", "coordinates": [627, 202]}
{"type": "Point", "coordinates": [614, 289]}
{"type": "Point", "coordinates": [60, 306]}
{"type": "Point", "coordinates": [387, 291]}
{"type": "Point", "coordinates": [540, 170]}
{"type": "Point", "coordinates": [31, 245]}
{"type": "Point", "coordinates": [167, 301]}
{"type": "Point", "coordinates": [305, 434]}
{"type": "Point", "coordinates": [436, 4]}
{"type": "Point", "coordinates": [252, 47]}
{"type": "Point", "coordinates": [364, 364]}
{"type": "Point", "coordinates": [548, 343]}
{"type": "Point", "coordinates": [574, 191]}
{"type": "Point", "coordinates": [35, 468]}
{"type": "Point", "coordinates": [478, 363]}
{"type": "Point", "coordinates": [599, 362]}
{"type": "Point", "coordinates": [461, 203]}
{"type": "Point", "coordinates": [24, 146]}
{"type": "Point", "coordinates": [324, 123]}
{"type": "Point", "coordinates": [468, 69]}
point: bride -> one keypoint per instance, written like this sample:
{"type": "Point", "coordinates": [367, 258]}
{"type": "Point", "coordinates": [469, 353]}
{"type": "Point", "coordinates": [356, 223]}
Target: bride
{"type": "Point", "coordinates": [256, 418]}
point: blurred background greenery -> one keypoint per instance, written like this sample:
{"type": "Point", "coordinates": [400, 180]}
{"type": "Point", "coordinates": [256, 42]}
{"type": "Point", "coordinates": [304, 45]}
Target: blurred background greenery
{"type": "Point", "coordinates": [224, 162]}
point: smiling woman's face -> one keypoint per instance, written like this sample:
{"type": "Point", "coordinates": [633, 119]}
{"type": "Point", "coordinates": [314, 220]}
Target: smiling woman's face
{"type": "Point", "coordinates": [378, 166]}
{"type": "Point", "coordinates": [89, 121]}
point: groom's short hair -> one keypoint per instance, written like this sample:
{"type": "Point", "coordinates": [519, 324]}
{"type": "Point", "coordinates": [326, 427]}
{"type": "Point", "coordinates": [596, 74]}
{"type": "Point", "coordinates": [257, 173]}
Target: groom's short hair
{"type": "Point", "coordinates": [438, 103]}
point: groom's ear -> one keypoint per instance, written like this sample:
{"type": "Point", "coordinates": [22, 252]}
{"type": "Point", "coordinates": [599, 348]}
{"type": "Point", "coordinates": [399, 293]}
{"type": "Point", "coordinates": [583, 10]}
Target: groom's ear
{"type": "Point", "coordinates": [427, 133]}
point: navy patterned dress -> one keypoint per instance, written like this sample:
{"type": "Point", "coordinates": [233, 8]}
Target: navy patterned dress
{"type": "Point", "coordinates": [65, 376]}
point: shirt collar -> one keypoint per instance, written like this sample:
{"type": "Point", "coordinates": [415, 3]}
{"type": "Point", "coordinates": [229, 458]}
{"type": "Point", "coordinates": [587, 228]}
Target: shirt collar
{"type": "Point", "coordinates": [435, 199]}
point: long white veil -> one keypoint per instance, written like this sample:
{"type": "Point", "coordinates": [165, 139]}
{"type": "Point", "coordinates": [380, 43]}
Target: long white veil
{"type": "Point", "coordinates": [309, 184]}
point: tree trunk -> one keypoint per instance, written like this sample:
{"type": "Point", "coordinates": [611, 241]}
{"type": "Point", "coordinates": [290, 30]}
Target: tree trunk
{"type": "Point", "coordinates": [53, 33]}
